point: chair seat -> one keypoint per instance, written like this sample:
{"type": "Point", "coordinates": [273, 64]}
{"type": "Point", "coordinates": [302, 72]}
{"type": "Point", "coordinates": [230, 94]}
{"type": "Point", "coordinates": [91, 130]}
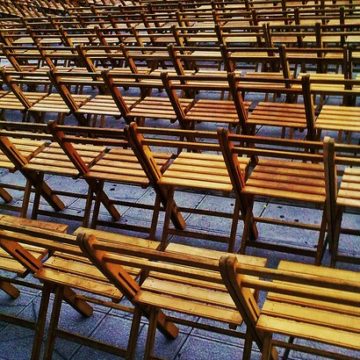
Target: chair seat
{"type": "Point", "coordinates": [202, 298]}
{"type": "Point", "coordinates": [288, 180]}
{"type": "Point", "coordinates": [176, 294]}
{"type": "Point", "coordinates": [77, 273]}
{"type": "Point", "coordinates": [278, 114]}
{"type": "Point", "coordinates": [53, 160]}
{"type": "Point", "coordinates": [219, 111]}
{"type": "Point", "coordinates": [333, 117]}
{"type": "Point", "coordinates": [10, 102]}
{"type": "Point", "coordinates": [207, 55]}
{"type": "Point", "coordinates": [249, 85]}
{"type": "Point", "coordinates": [156, 107]}
{"type": "Point", "coordinates": [55, 103]}
{"type": "Point", "coordinates": [100, 105]}
{"type": "Point", "coordinates": [349, 191]}
{"type": "Point", "coordinates": [27, 147]}
{"type": "Point", "coordinates": [317, 320]}
{"type": "Point", "coordinates": [325, 87]}
{"type": "Point", "coordinates": [201, 171]}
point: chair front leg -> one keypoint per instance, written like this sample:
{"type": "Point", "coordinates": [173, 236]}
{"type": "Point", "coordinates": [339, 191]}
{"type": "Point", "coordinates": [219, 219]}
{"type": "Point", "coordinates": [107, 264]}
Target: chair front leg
{"type": "Point", "coordinates": [267, 347]}
{"type": "Point", "coordinates": [55, 315]}
{"type": "Point", "coordinates": [150, 340]}
{"type": "Point", "coordinates": [134, 333]}
{"type": "Point", "coordinates": [320, 248]}
{"type": "Point", "coordinates": [40, 324]}
{"type": "Point", "coordinates": [247, 345]}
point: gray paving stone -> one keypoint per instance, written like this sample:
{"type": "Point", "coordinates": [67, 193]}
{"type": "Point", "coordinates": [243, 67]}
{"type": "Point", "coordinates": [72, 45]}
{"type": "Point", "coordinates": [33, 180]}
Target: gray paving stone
{"type": "Point", "coordinates": [9, 306]}
{"type": "Point", "coordinates": [217, 336]}
{"type": "Point", "coordinates": [113, 330]}
{"type": "Point", "coordinates": [182, 198]}
{"type": "Point", "coordinates": [197, 348]}
{"type": "Point", "coordinates": [87, 353]}
{"type": "Point", "coordinates": [164, 348]}
{"type": "Point", "coordinates": [348, 244]}
{"type": "Point", "coordinates": [70, 320]}
{"type": "Point", "coordinates": [291, 236]}
{"type": "Point", "coordinates": [13, 307]}
{"type": "Point", "coordinates": [16, 343]}
{"type": "Point", "coordinates": [299, 355]}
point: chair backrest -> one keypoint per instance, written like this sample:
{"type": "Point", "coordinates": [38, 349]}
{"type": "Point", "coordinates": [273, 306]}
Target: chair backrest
{"type": "Point", "coordinates": [67, 84]}
{"type": "Point", "coordinates": [111, 258]}
{"type": "Point", "coordinates": [145, 84]}
{"type": "Point", "coordinates": [136, 56]}
{"type": "Point", "coordinates": [36, 81]}
{"type": "Point", "coordinates": [98, 139]}
{"type": "Point", "coordinates": [335, 157]}
{"type": "Point", "coordinates": [13, 236]}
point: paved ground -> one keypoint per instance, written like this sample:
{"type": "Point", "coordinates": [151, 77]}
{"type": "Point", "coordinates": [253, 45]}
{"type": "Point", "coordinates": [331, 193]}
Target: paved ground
{"type": "Point", "coordinates": [113, 326]}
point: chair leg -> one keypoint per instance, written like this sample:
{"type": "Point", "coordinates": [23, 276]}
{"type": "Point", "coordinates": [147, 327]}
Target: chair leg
{"type": "Point", "coordinates": [134, 333]}
{"type": "Point", "coordinates": [151, 333]}
{"type": "Point", "coordinates": [9, 289]}
{"type": "Point", "coordinates": [247, 346]}
{"type": "Point", "coordinates": [79, 305]}
{"type": "Point", "coordinates": [321, 242]}
{"type": "Point", "coordinates": [234, 225]}
{"type": "Point", "coordinates": [244, 238]}
{"type": "Point", "coordinates": [169, 205]}
{"type": "Point", "coordinates": [88, 206]}
{"type": "Point", "coordinates": [287, 351]}
{"type": "Point", "coordinates": [267, 347]}
{"type": "Point", "coordinates": [50, 343]}
{"type": "Point", "coordinates": [96, 188]}
{"type": "Point", "coordinates": [36, 204]}
{"type": "Point", "coordinates": [26, 200]}
{"type": "Point", "coordinates": [61, 118]}
{"type": "Point", "coordinates": [155, 217]}
{"type": "Point", "coordinates": [249, 227]}
{"type": "Point", "coordinates": [334, 245]}
{"type": "Point", "coordinates": [97, 205]}
{"type": "Point", "coordinates": [40, 324]}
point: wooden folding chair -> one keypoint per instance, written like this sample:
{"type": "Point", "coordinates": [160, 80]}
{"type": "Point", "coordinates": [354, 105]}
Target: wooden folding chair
{"type": "Point", "coordinates": [8, 264]}
{"type": "Point", "coordinates": [204, 107]}
{"type": "Point", "coordinates": [177, 281]}
{"type": "Point", "coordinates": [19, 152]}
{"type": "Point", "coordinates": [38, 100]}
{"type": "Point", "coordinates": [275, 114]}
{"type": "Point", "coordinates": [189, 171]}
{"type": "Point", "coordinates": [66, 269]}
{"type": "Point", "coordinates": [295, 175]}
{"type": "Point", "coordinates": [343, 196]}
{"type": "Point", "coordinates": [85, 108]}
{"type": "Point", "coordinates": [342, 118]}
{"type": "Point", "coordinates": [200, 59]}
{"type": "Point", "coordinates": [28, 148]}
{"type": "Point", "coordinates": [145, 105]}
{"type": "Point", "coordinates": [318, 304]}
{"type": "Point", "coordinates": [113, 163]}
